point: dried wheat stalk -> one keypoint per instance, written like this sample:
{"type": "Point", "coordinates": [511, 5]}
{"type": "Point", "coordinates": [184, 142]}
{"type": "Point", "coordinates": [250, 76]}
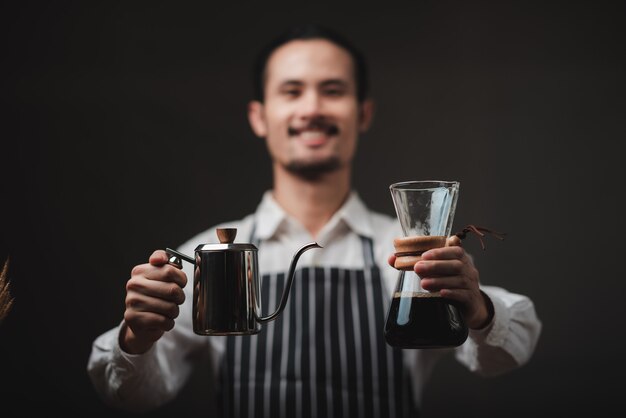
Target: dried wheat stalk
{"type": "Point", "coordinates": [6, 301]}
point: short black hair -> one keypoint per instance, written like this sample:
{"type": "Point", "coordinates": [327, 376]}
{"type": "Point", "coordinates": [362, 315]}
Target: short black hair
{"type": "Point", "coordinates": [304, 32]}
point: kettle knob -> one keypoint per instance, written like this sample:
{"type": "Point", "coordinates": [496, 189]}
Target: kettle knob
{"type": "Point", "coordinates": [226, 235]}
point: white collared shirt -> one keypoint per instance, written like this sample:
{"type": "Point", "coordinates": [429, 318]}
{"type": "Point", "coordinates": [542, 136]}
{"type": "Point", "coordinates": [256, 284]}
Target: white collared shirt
{"type": "Point", "coordinates": [141, 382]}
{"type": "Point", "coordinates": [282, 236]}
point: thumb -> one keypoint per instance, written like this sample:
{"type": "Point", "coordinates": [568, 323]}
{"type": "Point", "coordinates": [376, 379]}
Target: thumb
{"type": "Point", "coordinates": [159, 258]}
{"type": "Point", "coordinates": [453, 241]}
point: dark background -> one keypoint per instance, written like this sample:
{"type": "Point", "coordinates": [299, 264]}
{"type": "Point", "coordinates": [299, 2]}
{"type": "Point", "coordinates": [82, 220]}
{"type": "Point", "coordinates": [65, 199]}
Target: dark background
{"type": "Point", "coordinates": [124, 130]}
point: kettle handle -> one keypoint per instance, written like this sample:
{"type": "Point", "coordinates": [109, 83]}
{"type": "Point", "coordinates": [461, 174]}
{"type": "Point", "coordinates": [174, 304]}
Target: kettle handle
{"type": "Point", "coordinates": [290, 275]}
{"type": "Point", "coordinates": [175, 258]}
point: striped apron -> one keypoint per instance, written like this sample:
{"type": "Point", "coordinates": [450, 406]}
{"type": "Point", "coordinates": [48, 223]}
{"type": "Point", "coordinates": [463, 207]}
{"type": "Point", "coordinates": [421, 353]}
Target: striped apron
{"type": "Point", "coordinates": [325, 356]}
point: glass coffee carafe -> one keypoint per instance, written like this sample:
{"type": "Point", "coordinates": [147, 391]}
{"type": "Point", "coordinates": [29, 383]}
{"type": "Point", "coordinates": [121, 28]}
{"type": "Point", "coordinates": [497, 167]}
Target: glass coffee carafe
{"type": "Point", "coordinates": [418, 318]}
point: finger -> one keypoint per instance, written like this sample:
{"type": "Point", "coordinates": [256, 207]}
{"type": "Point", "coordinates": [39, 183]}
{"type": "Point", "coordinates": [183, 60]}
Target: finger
{"type": "Point", "coordinates": [142, 303]}
{"type": "Point", "coordinates": [165, 273]}
{"type": "Point", "coordinates": [438, 268]}
{"type": "Point", "coordinates": [392, 260]}
{"type": "Point", "coordinates": [444, 253]}
{"type": "Point", "coordinates": [169, 273]}
{"type": "Point", "coordinates": [438, 284]}
{"type": "Point", "coordinates": [168, 291]}
{"type": "Point", "coordinates": [147, 322]}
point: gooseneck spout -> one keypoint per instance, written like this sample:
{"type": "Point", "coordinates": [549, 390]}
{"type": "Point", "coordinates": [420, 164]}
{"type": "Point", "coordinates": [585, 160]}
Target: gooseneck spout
{"type": "Point", "coordinates": [290, 276]}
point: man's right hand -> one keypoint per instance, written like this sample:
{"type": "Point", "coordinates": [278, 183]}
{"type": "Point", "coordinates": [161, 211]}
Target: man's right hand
{"type": "Point", "coordinates": [153, 294]}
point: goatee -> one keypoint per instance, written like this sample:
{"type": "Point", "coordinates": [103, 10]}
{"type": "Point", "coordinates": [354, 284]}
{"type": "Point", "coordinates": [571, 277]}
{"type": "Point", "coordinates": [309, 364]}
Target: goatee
{"type": "Point", "coordinates": [313, 170]}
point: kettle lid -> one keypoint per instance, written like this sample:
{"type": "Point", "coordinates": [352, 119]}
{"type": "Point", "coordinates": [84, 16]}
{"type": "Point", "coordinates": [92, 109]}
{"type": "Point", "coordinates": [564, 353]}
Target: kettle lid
{"type": "Point", "coordinates": [227, 238]}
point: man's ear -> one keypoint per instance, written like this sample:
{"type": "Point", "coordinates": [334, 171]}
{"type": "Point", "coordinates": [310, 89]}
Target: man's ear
{"type": "Point", "coordinates": [256, 117]}
{"type": "Point", "coordinates": [366, 114]}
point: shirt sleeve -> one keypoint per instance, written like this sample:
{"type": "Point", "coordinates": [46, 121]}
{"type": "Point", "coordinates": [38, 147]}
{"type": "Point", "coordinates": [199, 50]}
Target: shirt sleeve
{"type": "Point", "coordinates": [508, 341]}
{"type": "Point", "coordinates": [143, 382]}
{"type": "Point", "coordinates": [140, 382]}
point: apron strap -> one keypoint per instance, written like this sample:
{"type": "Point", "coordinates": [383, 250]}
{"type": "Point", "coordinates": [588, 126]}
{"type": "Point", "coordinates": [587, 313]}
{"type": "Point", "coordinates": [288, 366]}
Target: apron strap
{"type": "Point", "coordinates": [367, 246]}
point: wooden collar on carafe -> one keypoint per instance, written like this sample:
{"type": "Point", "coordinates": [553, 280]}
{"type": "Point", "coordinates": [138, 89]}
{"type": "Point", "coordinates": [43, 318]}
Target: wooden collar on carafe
{"type": "Point", "coordinates": [409, 250]}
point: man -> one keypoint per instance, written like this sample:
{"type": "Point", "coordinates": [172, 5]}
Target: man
{"type": "Point", "coordinates": [325, 355]}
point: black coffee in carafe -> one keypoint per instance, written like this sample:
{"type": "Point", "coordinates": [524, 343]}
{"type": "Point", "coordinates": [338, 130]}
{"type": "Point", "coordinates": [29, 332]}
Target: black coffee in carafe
{"type": "Point", "coordinates": [424, 320]}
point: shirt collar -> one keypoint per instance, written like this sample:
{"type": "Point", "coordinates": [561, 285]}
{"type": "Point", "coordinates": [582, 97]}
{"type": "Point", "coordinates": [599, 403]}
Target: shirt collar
{"type": "Point", "coordinates": [353, 213]}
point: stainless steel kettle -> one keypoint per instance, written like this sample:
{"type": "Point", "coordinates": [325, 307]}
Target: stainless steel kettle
{"type": "Point", "coordinates": [227, 288]}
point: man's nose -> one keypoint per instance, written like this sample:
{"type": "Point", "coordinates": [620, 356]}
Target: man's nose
{"type": "Point", "coordinates": [311, 105]}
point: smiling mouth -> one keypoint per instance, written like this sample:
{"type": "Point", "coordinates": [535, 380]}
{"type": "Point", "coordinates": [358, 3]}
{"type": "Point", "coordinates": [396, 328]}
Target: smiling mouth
{"type": "Point", "coordinates": [314, 130]}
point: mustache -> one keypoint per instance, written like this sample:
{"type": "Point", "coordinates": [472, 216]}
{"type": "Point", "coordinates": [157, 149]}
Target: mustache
{"type": "Point", "coordinates": [319, 125]}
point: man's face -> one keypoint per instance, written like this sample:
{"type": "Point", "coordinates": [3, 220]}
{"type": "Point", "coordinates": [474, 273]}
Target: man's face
{"type": "Point", "coordinates": [310, 117]}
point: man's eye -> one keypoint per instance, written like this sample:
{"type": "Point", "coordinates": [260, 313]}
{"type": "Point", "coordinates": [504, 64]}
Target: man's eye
{"type": "Point", "coordinates": [291, 92]}
{"type": "Point", "coordinates": [333, 92]}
